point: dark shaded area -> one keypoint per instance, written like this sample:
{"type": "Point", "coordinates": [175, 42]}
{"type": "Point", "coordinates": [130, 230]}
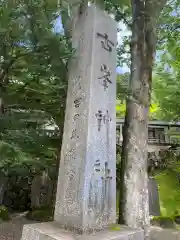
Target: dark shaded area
{"type": "Point", "coordinates": [17, 196]}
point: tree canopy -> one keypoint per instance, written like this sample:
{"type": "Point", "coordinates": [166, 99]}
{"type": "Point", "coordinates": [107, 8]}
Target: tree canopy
{"type": "Point", "coordinates": [33, 82]}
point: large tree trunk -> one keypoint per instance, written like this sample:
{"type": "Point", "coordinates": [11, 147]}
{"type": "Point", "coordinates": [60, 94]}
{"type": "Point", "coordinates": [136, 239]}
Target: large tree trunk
{"type": "Point", "coordinates": [73, 9]}
{"type": "Point", "coordinates": [134, 203]}
{"type": "Point", "coordinates": [134, 180]}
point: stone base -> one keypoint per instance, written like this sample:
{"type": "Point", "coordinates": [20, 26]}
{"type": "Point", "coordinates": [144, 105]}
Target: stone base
{"type": "Point", "coordinates": [51, 231]}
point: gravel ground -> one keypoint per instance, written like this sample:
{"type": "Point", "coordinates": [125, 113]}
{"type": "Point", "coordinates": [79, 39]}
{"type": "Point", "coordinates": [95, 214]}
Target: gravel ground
{"type": "Point", "coordinates": [12, 230]}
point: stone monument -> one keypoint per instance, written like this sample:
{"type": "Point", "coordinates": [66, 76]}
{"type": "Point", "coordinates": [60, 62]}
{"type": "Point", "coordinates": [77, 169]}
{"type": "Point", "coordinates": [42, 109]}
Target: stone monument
{"type": "Point", "coordinates": [41, 191]}
{"type": "Point", "coordinates": [86, 192]}
{"type": "Point", "coordinates": [86, 195]}
{"type": "Point", "coordinates": [154, 204]}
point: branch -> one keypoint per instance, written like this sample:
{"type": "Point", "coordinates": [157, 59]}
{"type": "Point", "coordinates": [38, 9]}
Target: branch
{"type": "Point", "coordinates": [122, 16]}
{"type": "Point", "coordinates": [153, 9]}
{"type": "Point", "coordinates": [5, 69]}
{"type": "Point", "coordinates": [70, 12]}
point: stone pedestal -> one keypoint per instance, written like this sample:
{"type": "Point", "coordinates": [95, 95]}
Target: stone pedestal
{"type": "Point", "coordinates": [51, 231]}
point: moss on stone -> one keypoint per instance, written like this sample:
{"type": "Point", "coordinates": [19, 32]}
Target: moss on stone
{"type": "Point", "coordinates": [114, 227]}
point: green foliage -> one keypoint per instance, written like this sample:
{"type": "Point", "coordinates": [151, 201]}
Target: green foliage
{"type": "Point", "coordinates": [168, 183]}
{"type": "Point", "coordinates": [4, 213]}
{"type": "Point", "coordinates": [166, 83]}
{"type": "Point", "coordinates": [122, 86]}
{"type": "Point", "coordinates": [122, 92]}
{"type": "Point", "coordinates": [33, 84]}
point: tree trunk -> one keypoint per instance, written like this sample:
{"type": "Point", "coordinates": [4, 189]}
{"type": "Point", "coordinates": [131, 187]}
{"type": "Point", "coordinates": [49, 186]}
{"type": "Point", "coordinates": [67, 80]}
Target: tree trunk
{"type": "Point", "coordinates": [134, 202]}
{"type": "Point", "coordinates": [134, 180]}
{"type": "Point", "coordinates": [69, 18]}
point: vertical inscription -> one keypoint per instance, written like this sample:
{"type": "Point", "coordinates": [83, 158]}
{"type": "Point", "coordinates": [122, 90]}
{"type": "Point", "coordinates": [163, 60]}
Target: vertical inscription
{"type": "Point", "coordinates": [99, 117]}
{"type": "Point", "coordinates": [106, 187]}
{"type": "Point", "coordinates": [77, 102]}
{"type": "Point", "coordinates": [94, 187]}
{"type": "Point", "coordinates": [70, 190]}
{"type": "Point", "coordinates": [77, 84]}
{"type": "Point", "coordinates": [70, 156]}
{"type": "Point", "coordinates": [103, 117]}
{"type": "Point", "coordinates": [100, 188]}
{"type": "Point", "coordinates": [76, 116]}
{"type": "Point", "coordinates": [106, 43]}
{"type": "Point", "coordinates": [107, 119]}
{"type": "Point", "coordinates": [105, 76]}
{"type": "Point", "coordinates": [74, 134]}
{"type": "Point", "coordinates": [71, 175]}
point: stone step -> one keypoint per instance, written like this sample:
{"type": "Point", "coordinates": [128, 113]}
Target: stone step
{"type": "Point", "coordinates": [51, 231]}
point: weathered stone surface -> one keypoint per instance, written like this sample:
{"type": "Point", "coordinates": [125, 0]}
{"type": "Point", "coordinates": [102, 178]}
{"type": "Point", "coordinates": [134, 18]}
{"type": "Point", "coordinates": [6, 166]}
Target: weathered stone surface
{"type": "Point", "coordinates": [41, 191]}
{"type": "Point", "coordinates": [3, 184]}
{"type": "Point", "coordinates": [51, 231]}
{"type": "Point", "coordinates": [86, 192]}
{"type": "Point", "coordinates": [154, 205]}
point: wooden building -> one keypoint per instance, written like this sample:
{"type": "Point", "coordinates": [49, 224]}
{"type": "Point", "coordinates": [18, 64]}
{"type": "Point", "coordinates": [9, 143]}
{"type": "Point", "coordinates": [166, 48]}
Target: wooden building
{"type": "Point", "coordinates": [161, 134]}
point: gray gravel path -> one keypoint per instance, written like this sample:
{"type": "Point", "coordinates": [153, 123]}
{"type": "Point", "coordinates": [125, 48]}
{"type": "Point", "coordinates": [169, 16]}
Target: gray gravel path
{"type": "Point", "coordinates": [12, 230]}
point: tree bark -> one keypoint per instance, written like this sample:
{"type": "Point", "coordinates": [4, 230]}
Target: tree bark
{"type": "Point", "coordinates": [73, 9]}
{"type": "Point", "coordinates": [134, 202]}
{"type": "Point", "coordinates": [134, 195]}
